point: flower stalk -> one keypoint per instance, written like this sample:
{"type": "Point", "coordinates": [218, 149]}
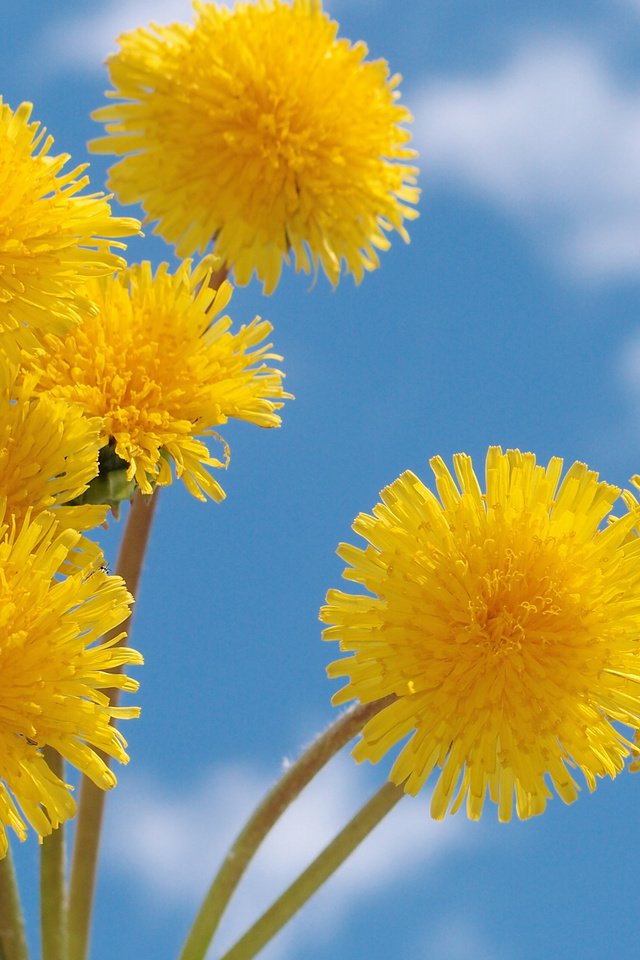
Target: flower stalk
{"type": "Point", "coordinates": [92, 799]}
{"type": "Point", "coordinates": [53, 894]}
{"type": "Point", "coordinates": [13, 941]}
{"type": "Point", "coordinates": [277, 800]}
{"type": "Point", "coordinates": [317, 873]}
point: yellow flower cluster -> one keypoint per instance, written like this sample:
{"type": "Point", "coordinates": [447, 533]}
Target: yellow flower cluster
{"type": "Point", "coordinates": [505, 626]}
{"type": "Point", "coordinates": [53, 238]}
{"type": "Point", "coordinates": [259, 130]}
{"type": "Point", "coordinates": [55, 669]}
{"type": "Point", "coordinates": [111, 380]}
{"type": "Point", "coordinates": [57, 603]}
{"type": "Point", "coordinates": [498, 628]}
{"type": "Point", "coordinates": [98, 365]}
{"type": "Point", "coordinates": [159, 370]}
{"type": "Point", "coordinates": [495, 625]}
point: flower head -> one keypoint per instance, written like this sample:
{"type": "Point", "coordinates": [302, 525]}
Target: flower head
{"type": "Point", "coordinates": [48, 455]}
{"type": "Point", "coordinates": [54, 671]}
{"type": "Point", "coordinates": [259, 129]}
{"type": "Point", "coordinates": [52, 237]}
{"type": "Point", "coordinates": [505, 623]}
{"type": "Point", "coordinates": [160, 371]}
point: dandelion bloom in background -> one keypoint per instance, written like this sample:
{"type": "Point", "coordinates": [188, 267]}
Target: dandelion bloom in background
{"type": "Point", "coordinates": [55, 669]}
{"type": "Point", "coordinates": [48, 454]}
{"type": "Point", "coordinates": [53, 238]}
{"type": "Point", "coordinates": [259, 129]}
{"type": "Point", "coordinates": [160, 371]}
{"type": "Point", "coordinates": [506, 623]}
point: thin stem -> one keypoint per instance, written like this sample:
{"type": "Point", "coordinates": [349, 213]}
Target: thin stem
{"type": "Point", "coordinates": [310, 881]}
{"type": "Point", "coordinates": [53, 894]}
{"type": "Point", "coordinates": [277, 800]}
{"type": "Point", "coordinates": [13, 940]}
{"type": "Point", "coordinates": [91, 807]}
{"type": "Point", "coordinates": [134, 542]}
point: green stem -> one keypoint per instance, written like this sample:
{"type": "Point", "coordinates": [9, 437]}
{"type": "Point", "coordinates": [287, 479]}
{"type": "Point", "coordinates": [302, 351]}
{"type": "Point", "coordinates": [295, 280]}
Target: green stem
{"type": "Point", "coordinates": [279, 798]}
{"type": "Point", "coordinates": [91, 807]}
{"type": "Point", "coordinates": [13, 941]}
{"type": "Point", "coordinates": [310, 881]}
{"type": "Point", "coordinates": [53, 894]}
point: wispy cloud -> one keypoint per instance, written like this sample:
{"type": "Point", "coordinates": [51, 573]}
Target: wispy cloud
{"type": "Point", "coordinates": [628, 366]}
{"type": "Point", "coordinates": [82, 41]}
{"type": "Point", "coordinates": [553, 139]}
{"type": "Point", "coordinates": [456, 937]}
{"type": "Point", "coordinates": [626, 371]}
{"type": "Point", "coordinates": [173, 850]}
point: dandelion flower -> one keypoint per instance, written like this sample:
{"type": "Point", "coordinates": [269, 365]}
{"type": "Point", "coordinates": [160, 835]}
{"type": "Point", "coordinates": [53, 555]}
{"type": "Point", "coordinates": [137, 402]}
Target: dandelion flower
{"type": "Point", "coordinates": [54, 673]}
{"type": "Point", "coordinates": [160, 372]}
{"type": "Point", "coordinates": [261, 130]}
{"type": "Point", "coordinates": [505, 623]}
{"type": "Point", "coordinates": [48, 454]}
{"type": "Point", "coordinates": [52, 237]}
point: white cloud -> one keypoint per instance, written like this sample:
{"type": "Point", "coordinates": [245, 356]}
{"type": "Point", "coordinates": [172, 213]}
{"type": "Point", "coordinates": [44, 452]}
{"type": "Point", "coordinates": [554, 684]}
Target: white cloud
{"type": "Point", "coordinates": [456, 937]}
{"type": "Point", "coordinates": [173, 848]}
{"type": "Point", "coordinates": [628, 366]}
{"type": "Point", "coordinates": [552, 139]}
{"type": "Point", "coordinates": [84, 40]}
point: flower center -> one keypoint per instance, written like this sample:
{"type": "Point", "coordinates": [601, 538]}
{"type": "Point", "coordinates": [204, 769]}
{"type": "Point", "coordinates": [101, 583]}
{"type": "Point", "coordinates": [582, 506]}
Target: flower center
{"type": "Point", "coordinates": [521, 604]}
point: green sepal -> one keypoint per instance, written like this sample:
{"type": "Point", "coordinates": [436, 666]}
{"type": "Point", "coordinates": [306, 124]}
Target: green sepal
{"type": "Point", "coordinates": [111, 486]}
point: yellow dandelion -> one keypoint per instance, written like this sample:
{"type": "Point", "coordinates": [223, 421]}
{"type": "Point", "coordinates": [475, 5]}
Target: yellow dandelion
{"type": "Point", "coordinates": [48, 455]}
{"type": "Point", "coordinates": [52, 237]}
{"type": "Point", "coordinates": [259, 129]}
{"type": "Point", "coordinates": [507, 625]}
{"type": "Point", "coordinates": [55, 673]}
{"type": "Point", "coordinates": [160, 372]}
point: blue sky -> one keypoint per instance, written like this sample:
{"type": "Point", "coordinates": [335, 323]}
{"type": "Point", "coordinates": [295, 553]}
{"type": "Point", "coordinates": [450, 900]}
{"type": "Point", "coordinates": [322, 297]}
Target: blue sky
{"type": "Point", "coordinates": [511, 318]}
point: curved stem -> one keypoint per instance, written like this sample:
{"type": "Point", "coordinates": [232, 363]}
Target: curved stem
{"type": "Point", "coordinates": [53, 893]}
{"type": "Point", "coordinates": [13, 940]}
{"type": "Point", "coordinates": [310, 881]}
{"type": "Point", "coordinates": [281, 795]}
{"type": "Point", "coordinates": [91, 807]}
